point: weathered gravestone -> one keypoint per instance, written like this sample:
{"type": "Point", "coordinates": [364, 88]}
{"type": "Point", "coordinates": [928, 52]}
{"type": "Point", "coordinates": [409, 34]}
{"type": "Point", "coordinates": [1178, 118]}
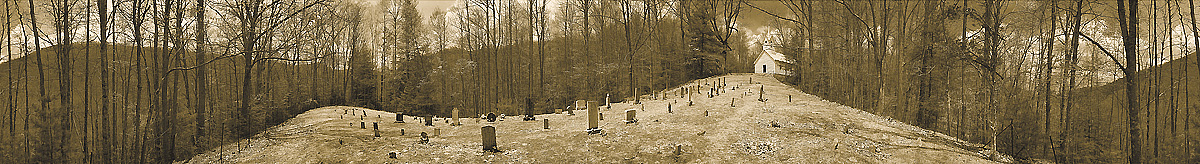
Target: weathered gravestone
{"type": "Point", "coordinates": [630, 116]}
{"type": "Point", "coordinates": [760, 93]}
{"type": "Point", "coordinates": [455, 114]}
{"type": "Point", "coordinates": [593, 118]}
{"type": "Point", "coordinates": [545, 123]}
{"type": "Point", "coordinates": [606, 104]}
{"type": "Point", "coordinates": [399, 117]}
{"type": "Point", "coordinates": [437, 132]}
{"type": "Point", "coordinates": [579, 105]}
{"type": "Point", "coordinates": [489, 138]}
{"type": "Point", "coordinates": [668, 108]}
{"type": "Point", "coordinates": [637, 99]}
{"type": "Point", "coordinates": [557, 110]}
{"type": "Point", "coordinates": [678, 150]}
{"type": "Point", "coordinates": [376, 125]}
{"type": "Point", "coordinates": [362, 125]}
{"type": "Point", "coordinates": [424, 137]}
{"type": "Point", "coordinates": [429, 120]}
{"type": "Point", "coordinates": [593, 105]}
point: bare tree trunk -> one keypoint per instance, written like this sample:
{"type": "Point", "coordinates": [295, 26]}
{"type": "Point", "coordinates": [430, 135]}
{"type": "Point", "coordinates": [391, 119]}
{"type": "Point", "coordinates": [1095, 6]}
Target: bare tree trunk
{"type": "Point", "coordinates": [1129, 25]}
{"type": "Point", "coordinates": [62, 29]}
{"type": "Point", "coordinates": [44, 152]}
{"type": "Point", "coordinates": [139, 133]}
{"type": "Point", "coordinates": [1047, 71]}
{"type": "Point", "coordinates": [12, 87]}
{"type": "Point", "coordinates": [249, 24]}
{"type": "Point", "coordinates": [87, 76]}
{"type": "Point", "coordinates": [106, 128]}
{"type": "Point", "coordinates": [1187, 116]}
{"type": "Point", "coordinates": [201, 75]}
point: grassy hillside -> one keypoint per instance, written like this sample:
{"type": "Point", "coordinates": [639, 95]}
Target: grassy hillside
{"type": "Point", "coordinates": [807, 129]}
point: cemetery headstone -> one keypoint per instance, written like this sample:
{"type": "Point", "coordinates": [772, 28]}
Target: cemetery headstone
{"type": "Point", "coordinates": [668, 108]}
{"type": "Point", "coordinates": [630, 116]}
{"type": "Point", "coordinates": [429, 120]}
{"type": "Point", "coordinates": [580, 104]}
{"type": "Point", "coordinates": [637, 99]}
{"type": "Point", "coordinates": [455, 114]}
{"type": "Point", "coordinates": [678, 150]}
{"type": "Point", "coordinates": [376, 126]}
{"type": "Point", "coordinates": [545, 123]}
{"type": "Point", "coordinates": [760, 94]}
{"type": "Point", "coordinates": [489, 138]}
{"type": "Point", "coordinates": [593, 118]}
{"type": "Point", "coordinates": [606, 104]}
{"type": "Point", "coordinates": [558, 110]}
{"type": "Point", "coordinates": [362, 125]}
{"type": "Point", "coordinates": [401, 131]}
{"type": "Point", "coordinates": [399, 117]}
{"type": "Point", "coordinates": [424, 137]}
{"type": "Point", "coordinates": [437, 132]}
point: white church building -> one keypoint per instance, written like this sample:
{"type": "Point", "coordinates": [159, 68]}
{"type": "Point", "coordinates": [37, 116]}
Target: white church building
{"type": "Point", "coordinates": [770, 61]}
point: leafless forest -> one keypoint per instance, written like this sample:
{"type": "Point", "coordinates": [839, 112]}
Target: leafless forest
{"type": "Point", "coordinates": [157, 81]}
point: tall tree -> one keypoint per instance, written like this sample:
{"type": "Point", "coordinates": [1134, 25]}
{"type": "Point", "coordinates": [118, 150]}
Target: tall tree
{"type": "Point", "coordinates": [44, 152]}
{"type": "Point", "coordinates": [1047, 73]}
{"type": "Point", "coordinates": [62, 27]}
{"type": "Point", "coordinates": [201, 105]}
{"type": "Point", "coordinates": [105, 79]}
{"type": "Point", "coordinates": [1127, 17]}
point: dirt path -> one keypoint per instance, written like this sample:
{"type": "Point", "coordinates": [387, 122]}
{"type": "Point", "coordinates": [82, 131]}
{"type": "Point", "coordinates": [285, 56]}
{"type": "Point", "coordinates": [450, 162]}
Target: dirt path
{"type": "Point", "coordinates": [804, 130]}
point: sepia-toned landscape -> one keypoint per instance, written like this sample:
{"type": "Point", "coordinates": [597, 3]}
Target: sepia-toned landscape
{"type": "Point", "coordinates": [599, 81]}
